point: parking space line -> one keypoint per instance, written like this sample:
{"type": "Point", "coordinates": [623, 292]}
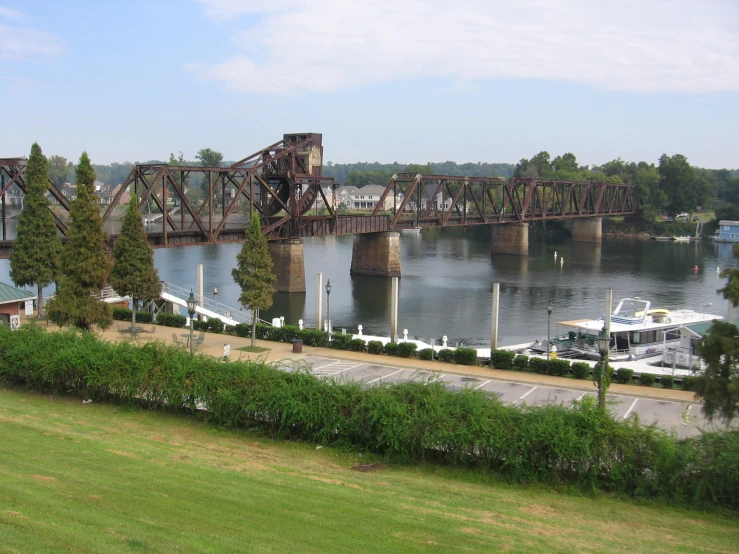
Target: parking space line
{"type": "Point", "coordinates": [480, 386]}
{"type": "Point", "coordinates": [327, 365]}
{"type": "Point", "coordinates": [628, 412]}
{"type": "Point", "coordinates": [385, 376]}
{"type": "Point", "coordinates": [580, 397]}
{"type": "Point", "coordinates": [525, 395]}
{"type": "Point", "coordinates": [347, 369]}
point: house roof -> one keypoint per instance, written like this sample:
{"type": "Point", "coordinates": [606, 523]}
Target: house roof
{"type": "Point", "coordinates": [11, 294]}
{"type": "Point", "coordinates": [728, 222]}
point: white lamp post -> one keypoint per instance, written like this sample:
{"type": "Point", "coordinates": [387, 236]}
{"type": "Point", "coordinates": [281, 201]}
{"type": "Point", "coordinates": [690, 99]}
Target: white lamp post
{"type": "Point", "coordinates": [191, 310]}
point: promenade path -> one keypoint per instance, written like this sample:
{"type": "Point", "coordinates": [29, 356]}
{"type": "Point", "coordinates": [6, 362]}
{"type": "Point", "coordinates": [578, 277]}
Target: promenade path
{"type": "Point", "coordinates": [671, 408]}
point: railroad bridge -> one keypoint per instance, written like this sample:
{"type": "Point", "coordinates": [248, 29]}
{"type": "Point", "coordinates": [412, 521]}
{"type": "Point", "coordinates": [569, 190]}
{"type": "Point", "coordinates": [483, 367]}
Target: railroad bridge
{"type": "Point", "coordinates": [283, 185]}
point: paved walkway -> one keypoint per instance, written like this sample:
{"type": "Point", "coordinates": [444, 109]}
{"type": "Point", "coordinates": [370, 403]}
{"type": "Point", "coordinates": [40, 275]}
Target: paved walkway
{"type": "Point", "coordinates": [280, 351]}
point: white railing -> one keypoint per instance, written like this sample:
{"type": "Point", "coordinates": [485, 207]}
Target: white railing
{"type": "Point", "coordinates": [209, 307]}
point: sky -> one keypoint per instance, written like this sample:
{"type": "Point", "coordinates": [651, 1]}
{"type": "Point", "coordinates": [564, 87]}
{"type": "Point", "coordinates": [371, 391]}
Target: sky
{"type": "Point", "coordinates": [406, 81]}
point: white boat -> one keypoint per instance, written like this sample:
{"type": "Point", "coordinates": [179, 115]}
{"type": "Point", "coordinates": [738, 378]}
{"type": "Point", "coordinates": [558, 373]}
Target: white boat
{"type": "Point", "coordinates": [637, 331]}
{"type": "Point", "coordinates": [682, 239]}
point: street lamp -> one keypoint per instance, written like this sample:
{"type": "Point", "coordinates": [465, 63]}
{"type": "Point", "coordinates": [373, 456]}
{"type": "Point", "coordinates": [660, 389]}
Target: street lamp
{"type": "Point", "coordinates": [328, 308]}
{"type": "Point", "coordinates": [604, 344]}
{"type": "Point", "coordinates": [191, 311]}
{"type": "Point", "coordinates": [549, 326]}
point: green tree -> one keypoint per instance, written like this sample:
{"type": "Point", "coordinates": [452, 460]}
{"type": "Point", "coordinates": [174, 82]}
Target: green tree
{"type": "Point", "coordinates": [34, 259]}
{"type": "Point", "coordinates": [133, 273]}
{"type": "Point", "coordinates": [85, 261]}
{"type": "Point", "coordinates": [718, 385]}
{"type": "Point", "coordinates": [60, 171]}
{"type": "Point", "coordinates": [209, 157]}
{"type": "Point", "coordinates": [253, 273]}
{"type": "Point", "coordinates": [678, 180]}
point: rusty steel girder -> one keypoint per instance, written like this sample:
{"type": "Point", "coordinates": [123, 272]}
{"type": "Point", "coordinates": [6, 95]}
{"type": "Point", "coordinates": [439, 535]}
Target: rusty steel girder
{"type": "Point", "coordinates": [444, 200]}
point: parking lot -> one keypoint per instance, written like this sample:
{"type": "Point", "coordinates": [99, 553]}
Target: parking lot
{"type": "Point", "coordinates": [684, 418]}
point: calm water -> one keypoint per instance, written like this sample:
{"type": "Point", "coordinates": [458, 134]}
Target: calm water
{"type": "Point", "coordinates": [448, 276]}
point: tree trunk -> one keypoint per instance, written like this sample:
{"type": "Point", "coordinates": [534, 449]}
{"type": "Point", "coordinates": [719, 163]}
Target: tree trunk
{"type": "Point", "coordinates": [40, 301]}
{"type": "Point", "coordinates": [253, 327]}
{"type": "Point", "coordinates": [133, 314]}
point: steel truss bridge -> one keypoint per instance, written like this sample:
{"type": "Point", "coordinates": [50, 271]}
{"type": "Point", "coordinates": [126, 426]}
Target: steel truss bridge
{"type": "Point", "coordinates": [283, 184]}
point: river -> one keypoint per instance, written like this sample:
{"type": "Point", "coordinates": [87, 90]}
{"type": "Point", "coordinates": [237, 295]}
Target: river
{"type": "Point", "coordinates": [447, 279]}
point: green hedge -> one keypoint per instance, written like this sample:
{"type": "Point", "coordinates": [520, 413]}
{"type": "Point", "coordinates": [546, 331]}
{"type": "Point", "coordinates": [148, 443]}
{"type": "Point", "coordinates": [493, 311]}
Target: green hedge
{"type": "Point", "coordinates": [667, 381]}
{"type": "Point", "coordinates": [624, 375]}
{"type": "Point", "coordinates": [580, 370]}
{"type": "Point", "coordinates": [171, 320]}
{"type": "Point", "coordinates": [426, 354]}
{"type": "Point", "coordinates": [465, 356]}
{"type": "Point", "coordinates": [688, 383]}
{"type": "Point", "coordinates": [356, 345]}
{"type": "Point", "coordinates": [539, 365]}
{"type": "Point", "coordinates": [558, 367]}
{"type": "Point", "coordinates": [124, 314]}
{"type": "Point", "coordinates": [446, 355]}
{"type": "Point", "coordinates": [405, 423]}
{"type": "Point", "coordinates": [503, 359]}
{"type": "Point", "coordinates": [391, 349]}
{"type": "Point", "coordinates": [521, 362]}
{"type": "Point", "coordinates": [646, 379]}
{"type": "Point", "coordinates": [374, 347]}
{"type": "Point", "coordinates": [407, 349]}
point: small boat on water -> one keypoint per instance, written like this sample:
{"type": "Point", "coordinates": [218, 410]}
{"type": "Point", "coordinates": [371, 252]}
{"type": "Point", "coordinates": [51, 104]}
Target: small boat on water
{"type": "Point", "coordinates": [682, 239]}
{"type": "Point", "coordinates": [637, 331]}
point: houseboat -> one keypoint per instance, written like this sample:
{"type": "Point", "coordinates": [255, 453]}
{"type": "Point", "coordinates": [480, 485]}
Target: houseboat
{"type": "Point", "coordinates": [637, 331]}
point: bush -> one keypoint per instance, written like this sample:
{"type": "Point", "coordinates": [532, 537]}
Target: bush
{"type": "Point", "coordinates": [171, 320]}
{"type": "Point", "coordinates": [580, 370]}
{"type": "Point", "coordinates": [465, 356]}
{"type": "Point", "coordinates": [391, 349]}
{"type": "Point", "coordinates": [356, 345]}
{"type": "Point", "coordinates": [374, 347]}
{"type": "Point", "coordinates": [124, 314]}
{"type": "Point", "coordinates": [521, 362]}
{"type": "Point", "coordinates": [410, 422]}
{"type": "Point", "coordinates": [407, 349]}
{"type": "Point", "coordinates": [502, 359]}
{"type": "Point", "coordinates": [688, 383]}
{"type": "Point", "coordinates": [624, 375]}
{"type": "Point", "coordinates": [426, 354]}
{"type": "Point", "coordinates": [446, 355]}
{"type": "Point", "coordinates": [539, 365]}
{"type": "Point", "coordinates": [646, 379]}
{"type": "Point", "coordinates": [340, 342]}
{"type": "Point", "coordinates": [198, 325]}
{"type": "Point", "coordinates": [667, 381]}
{"type": "Point", "coordinates": [214, 325]}
{"type": "Point", "coordinates": [558, 367]}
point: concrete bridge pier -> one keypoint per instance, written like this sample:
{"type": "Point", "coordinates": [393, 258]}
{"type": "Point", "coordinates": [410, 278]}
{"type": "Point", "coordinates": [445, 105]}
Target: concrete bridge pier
{"type": "Point", "coordinates": [376, 254]}
{"type": "Point", "coordinates": [289, 265]}
{"type": "Point", "coordinates": [588, 229]}
{"type": "Point", "coordinates": [510, 238]}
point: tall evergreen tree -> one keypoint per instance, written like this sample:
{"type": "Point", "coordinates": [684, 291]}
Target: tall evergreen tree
{"type": "Point", "coordinates": [85, 261]}
{"type": "Point", "coordinates": [34, 259]}
{"type": "Point", "coordinates": [254, 274]}
{"type": "Point", "coordinates": [133, 273]}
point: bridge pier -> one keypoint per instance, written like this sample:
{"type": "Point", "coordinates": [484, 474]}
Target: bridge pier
{"type": "Point", "coordinates": [587, 229]}
{"type": "Point", "coordinates": [376, 254]}
{"type": "Point", "coordinates": [288, 265]}
{"type": "Point", "coordinates": [511, 238]}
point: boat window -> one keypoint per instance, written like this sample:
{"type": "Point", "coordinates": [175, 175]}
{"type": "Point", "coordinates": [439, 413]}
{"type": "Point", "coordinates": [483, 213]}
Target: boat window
{"type": "Point", "coordinates": [635, 337]}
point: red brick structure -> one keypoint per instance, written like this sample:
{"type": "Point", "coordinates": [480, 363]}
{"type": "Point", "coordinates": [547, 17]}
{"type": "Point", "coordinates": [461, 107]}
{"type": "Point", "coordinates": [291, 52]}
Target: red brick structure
{"type": "Point", "coordinates": [13, 304]}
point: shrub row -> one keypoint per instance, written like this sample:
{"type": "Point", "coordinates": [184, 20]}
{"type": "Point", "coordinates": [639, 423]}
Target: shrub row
{"type": "Point", "coordinates": [505, 359]}
{"type": "Point", "coordinates": [409, 422]}
{"type": "Point", "coordinates": [124, 314]}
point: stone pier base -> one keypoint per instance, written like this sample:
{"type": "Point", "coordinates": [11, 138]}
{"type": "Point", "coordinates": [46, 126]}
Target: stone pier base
{"type": "Point", "coordinates": [587, 229]}
{"type": "Point", "coordinates": [376, 254]}
{"type": "Point", "coordinates": [289, 265]}
{"type": "Point", "coordinates": [510, 238]}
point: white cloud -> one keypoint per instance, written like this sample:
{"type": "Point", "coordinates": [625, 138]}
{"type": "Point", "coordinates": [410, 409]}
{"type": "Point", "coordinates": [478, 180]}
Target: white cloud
{"type": "Point", "coordinates": [331, 45]}
{"type": "Point", "coordinates": [20, 42]}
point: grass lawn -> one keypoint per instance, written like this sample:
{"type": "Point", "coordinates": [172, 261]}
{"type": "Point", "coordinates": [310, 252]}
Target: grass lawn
{"type": "Point", "coordinates": [102, 478]}
{"type": "Point", "coordinates": [253, 349]}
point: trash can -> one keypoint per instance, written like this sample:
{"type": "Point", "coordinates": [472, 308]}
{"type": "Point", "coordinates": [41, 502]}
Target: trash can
{"type": "Point", "coordinates": [297, 346]}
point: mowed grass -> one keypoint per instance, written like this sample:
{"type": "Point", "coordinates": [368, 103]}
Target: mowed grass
{"type": "Point", "coordinates": [103, 478]}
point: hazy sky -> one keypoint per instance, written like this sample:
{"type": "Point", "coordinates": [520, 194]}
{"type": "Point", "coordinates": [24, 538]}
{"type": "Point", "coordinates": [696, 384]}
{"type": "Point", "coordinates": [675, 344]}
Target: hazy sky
{"type": "Point", "coordinates": [401, 80]}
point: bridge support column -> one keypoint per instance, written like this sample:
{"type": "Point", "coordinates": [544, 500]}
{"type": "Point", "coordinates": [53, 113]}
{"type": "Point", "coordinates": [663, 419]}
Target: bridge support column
{"type": "Point", "coordinates": [289, 265]}
{"type": "Point", "coordinates": [510, 238]}
{"type": "Point", "coordinates": [376, 254]}
{"type": "Point", "coordinates": [587, 229]}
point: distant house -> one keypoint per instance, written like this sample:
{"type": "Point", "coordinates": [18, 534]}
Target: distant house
{"type": "Point", "coordinates": [365, 198]}
{"type": "Point", "coordinates": [14, 305]}
{"type": "Point", "coordinates": [13, 197]}
{"type": "Point", "coordinates": [105, 193]}
{"type": "Point", "coordinates": [69, 191]}
{"type": "Point", "coordinates": [728, 231]}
